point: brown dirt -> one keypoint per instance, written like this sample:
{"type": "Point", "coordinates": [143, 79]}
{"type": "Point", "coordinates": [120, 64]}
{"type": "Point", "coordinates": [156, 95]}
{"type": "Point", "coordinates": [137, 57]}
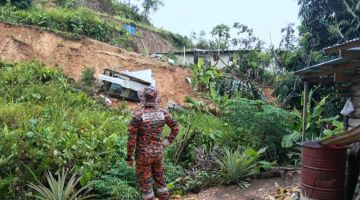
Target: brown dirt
{"type": "Point", "coordinates": [18, 43]}
{"type": "Point", "coordinates": [151, 42]}
{"type": "Point", "coordinates": [259, 190]}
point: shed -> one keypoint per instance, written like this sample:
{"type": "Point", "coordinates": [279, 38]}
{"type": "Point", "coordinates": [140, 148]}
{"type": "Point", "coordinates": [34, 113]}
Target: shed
{"type": "Point", "coordinates": [344, 68]}
{"type": "Point", "coordinates": [218, 58]}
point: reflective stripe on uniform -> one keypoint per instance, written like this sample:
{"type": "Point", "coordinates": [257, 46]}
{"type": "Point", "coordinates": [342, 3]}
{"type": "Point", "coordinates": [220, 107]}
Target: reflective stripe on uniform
{"type": "Point", "coordinates": [148, 196]}
{"type": "Point", "coordinates": [162, 190]}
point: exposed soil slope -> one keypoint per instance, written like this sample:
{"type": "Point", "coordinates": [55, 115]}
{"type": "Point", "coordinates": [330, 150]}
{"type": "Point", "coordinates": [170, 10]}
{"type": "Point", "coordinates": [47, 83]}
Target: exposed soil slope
{"type": "Point", "coordinates": [18, 43]}
{"type": "Point", "coordinates": [144, 41]}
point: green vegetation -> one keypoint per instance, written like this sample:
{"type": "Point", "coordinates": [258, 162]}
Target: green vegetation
{"type": "Point", "coordinates": [20, 4]}
{"type": "Point", "coordinates": [59, 189]}
{"type": "Point", "coordinates": [47, 124]}
{"type": "Point", "coordinates": [236, 165]}
{"type": "Point", "coordinates": [73, 21]}
{"type": "Point", "coordinates": [42, 133]}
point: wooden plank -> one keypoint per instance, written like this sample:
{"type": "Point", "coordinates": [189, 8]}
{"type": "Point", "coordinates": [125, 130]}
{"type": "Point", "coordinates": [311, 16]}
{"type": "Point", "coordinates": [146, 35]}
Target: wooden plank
{"type": "Point", "coordinates": [345, 78]}
{"type": "Point", "coordinates": [313, 75]}
{"type": "Point", "coordinates": [347, 88]}
{"type": "Point", "coordinates": [347, 137]}
{"type": "Point", "coordinates": [356, 113]}
{"type": "Point", "coordinates": [306, 94]}
{"type": "Point", "coordinates": [319, 80]}
{"type": "Point", "coordinates": [345, 53]}
{"type": "Point", "coordinates": [356, 89]}
{"type": "Point", "coordinates": [356, 104]}
{"type": "Point", "coordinates": [343, 95]}
{"type": "Point", "coordinates": [354, 122]}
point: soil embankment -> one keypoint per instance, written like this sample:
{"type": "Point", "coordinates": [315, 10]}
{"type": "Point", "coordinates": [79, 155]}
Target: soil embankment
{"type": "Point", "coordinates": [19, 43]}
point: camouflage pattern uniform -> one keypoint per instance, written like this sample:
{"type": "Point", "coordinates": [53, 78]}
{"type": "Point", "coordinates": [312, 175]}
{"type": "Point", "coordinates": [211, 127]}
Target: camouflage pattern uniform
{"type": "Point", "coordinates": [145, 135]}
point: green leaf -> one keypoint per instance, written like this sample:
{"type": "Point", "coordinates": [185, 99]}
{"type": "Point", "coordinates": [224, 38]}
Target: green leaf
{"type": "Point", "coordinates": [290, 139]}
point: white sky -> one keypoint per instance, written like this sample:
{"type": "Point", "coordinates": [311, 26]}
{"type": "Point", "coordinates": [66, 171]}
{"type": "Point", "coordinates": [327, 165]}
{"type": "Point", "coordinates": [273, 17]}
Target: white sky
{"type": "Point", "coordinates": [266, 17]}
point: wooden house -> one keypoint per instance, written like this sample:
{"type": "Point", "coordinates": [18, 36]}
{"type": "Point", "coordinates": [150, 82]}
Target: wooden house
{"type": "Point", "coordinates": [344, 72]}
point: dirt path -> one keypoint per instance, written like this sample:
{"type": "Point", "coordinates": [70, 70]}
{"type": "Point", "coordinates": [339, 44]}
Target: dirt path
{"type": "Point", "coordinates": [259, 190]}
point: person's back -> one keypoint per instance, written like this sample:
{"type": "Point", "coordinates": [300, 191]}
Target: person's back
{"type": "Point", "coordinates": [145, 133]}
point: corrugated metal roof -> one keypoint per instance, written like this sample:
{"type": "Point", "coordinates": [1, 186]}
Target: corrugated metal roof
{"type": "Point", "coordinates": [319, 66]}
{"type": "Point", "coordinates": [342, 45]}
{"type": "Point", "coordinates": [145, 75]}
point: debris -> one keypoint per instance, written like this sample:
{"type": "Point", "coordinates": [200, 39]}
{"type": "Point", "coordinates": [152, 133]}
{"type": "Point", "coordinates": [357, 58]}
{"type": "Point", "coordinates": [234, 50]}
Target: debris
{"type": "Point", "coordinates": [171, 61]}
{"type": "Point", "coordinates": [188, 80]}
{"type": "Point", "coordinates": [172, 105]}
{"type": "Point", "coordinates": [145, 75]}
{"type": "Point", "coordinates": [107, 101]}
{"type": "Point", "coordinates": [288, 193]}
{"type": "Point", "coordinates": [125, 84]}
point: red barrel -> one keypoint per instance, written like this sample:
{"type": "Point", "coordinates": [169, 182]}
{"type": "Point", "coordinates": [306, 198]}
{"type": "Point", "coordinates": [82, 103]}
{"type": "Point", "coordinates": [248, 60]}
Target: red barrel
{"type": "Point", "coordinates": [323, 171]}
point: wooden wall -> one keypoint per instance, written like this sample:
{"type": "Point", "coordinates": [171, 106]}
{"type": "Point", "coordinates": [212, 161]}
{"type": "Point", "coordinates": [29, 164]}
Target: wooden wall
{"type": "Point", "coordinates": [354, 119]}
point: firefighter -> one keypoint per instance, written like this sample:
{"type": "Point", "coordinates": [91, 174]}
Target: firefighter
{"type": "Point", "coordinates": [145, 138]}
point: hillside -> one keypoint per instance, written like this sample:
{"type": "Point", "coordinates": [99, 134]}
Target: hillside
{"type": "Point", "coordinates": [147, 39]}
{"type": "Point", "coordinates": [19, 43]}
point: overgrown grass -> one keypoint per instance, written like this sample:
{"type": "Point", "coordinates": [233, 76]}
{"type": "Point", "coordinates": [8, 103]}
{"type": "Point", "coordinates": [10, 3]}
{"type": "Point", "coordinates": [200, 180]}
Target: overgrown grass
{"type": "Point", "coordinates": [77, 22]}
{"type": "Point", "coordinates": [73, 23]}
{"type": "Point", "coordinates": [47, 124]}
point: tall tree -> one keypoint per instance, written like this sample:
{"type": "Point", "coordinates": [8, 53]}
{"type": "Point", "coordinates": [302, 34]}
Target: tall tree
{"type": "Point", "coordinates": [221, 33]}
{"type": "Point", "coordinates": [200, 40]}
{"type": "Point", "coordinates": [151, 5]}
{"type": "Point", "coordinates": [325, 22]}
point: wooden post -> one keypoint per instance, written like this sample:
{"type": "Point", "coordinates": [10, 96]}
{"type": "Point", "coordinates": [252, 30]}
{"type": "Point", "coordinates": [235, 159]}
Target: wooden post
{"type": "Point", "coordinates": [306, 96]}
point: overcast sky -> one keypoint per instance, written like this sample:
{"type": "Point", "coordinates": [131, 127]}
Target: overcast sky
{"type": "Point", "coordinates": [266, 17]}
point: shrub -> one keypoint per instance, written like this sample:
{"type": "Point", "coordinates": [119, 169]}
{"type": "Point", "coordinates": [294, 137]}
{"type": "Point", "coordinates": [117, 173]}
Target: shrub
{"type": "Point", "coordinates": [117, 183]}
{"type": "Point", "coordinates": [76, 22]}
{"type": "Point", "coordinates": [60, 189]}
{"type": "Point", "coordinates": [260, 125]}
{"type": "Point", "coordinates": [47, 124]}
{"type": "Point", "coordinates": [20, 4]}
{"type": "Point", "coordinates": [235, 165]}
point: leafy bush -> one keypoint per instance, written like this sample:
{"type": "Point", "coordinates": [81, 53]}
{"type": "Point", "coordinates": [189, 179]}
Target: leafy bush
{"type": "Point", "coordinates": [318, 127]}
{"type": "Point", "coordinates": [87, 76]}
{"type": "Point", "coordinates": [117, 183]}
{"type": "Point", "coordinates": [47, 124]}
{"type": "Point", "coordinates": [59, 189]}
{"type": "Point", "coordinates": [236, 165]}
{"type": "Point", "coordinates": [259, 124]}
{"type": "Point", "coordinates": [199, 130]}
{"type": "Point", "coordinates": [77, 22]}
{"type": "Point", "coordinates": [20, 4]}
{"type": "Point", "coordinates": [204, 75]}
{"type": "Point", "coordinates": [131, 13]}
{"type": "Point", "coordinates": [177, 40]}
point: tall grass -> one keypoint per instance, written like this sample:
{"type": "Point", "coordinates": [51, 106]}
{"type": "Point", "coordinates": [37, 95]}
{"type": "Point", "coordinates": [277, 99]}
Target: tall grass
{"type": "Point", "coordinates": [46, 123]}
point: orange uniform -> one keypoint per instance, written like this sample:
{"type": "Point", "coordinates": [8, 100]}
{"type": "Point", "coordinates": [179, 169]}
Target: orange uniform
{"type": "Point", "coordinates": [145, 138]}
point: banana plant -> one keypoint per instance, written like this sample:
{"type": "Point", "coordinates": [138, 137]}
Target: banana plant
{"type": "Point", "coordinates": [315, 123]}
